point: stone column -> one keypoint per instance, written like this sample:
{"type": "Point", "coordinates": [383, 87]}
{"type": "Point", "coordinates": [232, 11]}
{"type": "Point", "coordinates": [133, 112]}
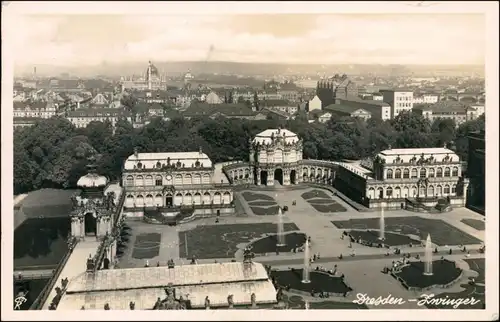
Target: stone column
{"type": "Point", "coordinates": [270, 177]}
{"type": "Point", "coordinates": [98, 226]}
{"type": "Point", "coordinates": [258, 176]}
{"type": "Point", "coordinates": [82, 227]}
{"type": "Point", "coordinates": [286, 177]}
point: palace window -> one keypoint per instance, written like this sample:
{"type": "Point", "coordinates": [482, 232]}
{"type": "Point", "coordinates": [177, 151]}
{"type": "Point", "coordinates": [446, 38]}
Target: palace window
{"type": "Point", "coordinates": [397, 174]}
{"type": "Point", "coordinates": [414, 173]}
{"type": "Point", "coordinates": [439, 172]}
{"type": "Point", "coordinates": [454, 189]}
{"type": "Point", "coordinates": [423, 173]}
{"type": "Point", "coordinates": [389, 174]}
{"type": "Point", "coordinates": [129, 181]}
{"type": "Point", "coordinates": [455, 172]}
{"type": "Point", "coordinates": [431, 173]}
{"type": "Point", "coordinates": [388, 191]}
{"type": "Point", "coordinates": [406, 174]}
{"type": "Point", "coordinates": [158, 181]}
{"type": "Point", "coordinates": [446, 189]}
{"type": "Point", "coordinates": [446, 172]}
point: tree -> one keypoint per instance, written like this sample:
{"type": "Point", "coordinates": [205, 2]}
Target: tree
{"type": "Point", "coordinates": [256, 101]}
{"type": "Point", "coordinates": [230, 97]}
{"type": "Point", "coordinates": [444, 130]}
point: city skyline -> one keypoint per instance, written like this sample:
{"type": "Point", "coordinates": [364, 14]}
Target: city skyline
{"type": "Point", "coordinates": [79, 40]}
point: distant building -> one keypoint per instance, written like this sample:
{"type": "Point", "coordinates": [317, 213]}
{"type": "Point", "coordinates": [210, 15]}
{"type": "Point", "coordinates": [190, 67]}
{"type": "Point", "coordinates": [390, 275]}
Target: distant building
{"type": "Point", "coordinates": [476, 171]}
{"type": "Point", "coordinates": [43, 110]}
{"type": "Point", "coordinates": [425, 98]}
{"type": "Point", "coordinates": [213, 98]}
{"type": "Point", "coordinates": [342, 110]}
{"type": "Point", "coordinates": [203, 109]}
{"type": "Point", "coordinates": [320, 116]}
{"type": "Point", "coordinates": [82, 117]}
{"type": "Point", "coordinates": [337, 87]}
{"type": "Point", "coordinates": [314, 104]}
{"type": "Point", "coordinates": [454, 110]}
{"type": "Point", "coordinates": [280, 105]}
{"type": "Point", "coordinates": [378, 109]}
{"type": "Point", "coordinates": [399, 99]}
{"type": "Point", "coordinates": [151, 80]}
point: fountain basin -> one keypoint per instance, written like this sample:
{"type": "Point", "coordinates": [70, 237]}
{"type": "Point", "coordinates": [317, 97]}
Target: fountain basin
{"type": "Point", "coordinates": [371, 238]}
{"type": "Point", "coordinates": [444, 274]}
{"type": "Point", "coordinates": [319, 281]}
{"type": "Point", "coordinates": [269, 244]}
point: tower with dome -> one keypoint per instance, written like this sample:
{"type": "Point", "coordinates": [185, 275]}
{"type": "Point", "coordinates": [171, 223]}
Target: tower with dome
{"type": "Point", "coordinates": [274, 156]}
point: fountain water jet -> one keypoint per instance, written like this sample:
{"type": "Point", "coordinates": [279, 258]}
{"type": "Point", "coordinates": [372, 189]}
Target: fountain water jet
{"type": "Point", "coordinates": [428, 256]}
{"type": "Point", "coordinates": [280, 236]}
{"type": "Point", "coordinates": [307, 263]}
{"type": "Point", "coordinates": [382, 225]}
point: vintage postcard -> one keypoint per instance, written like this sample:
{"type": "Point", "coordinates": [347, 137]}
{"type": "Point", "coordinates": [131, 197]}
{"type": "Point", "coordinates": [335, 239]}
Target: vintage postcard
{"type": "Point", "coordinates": [220, 158]}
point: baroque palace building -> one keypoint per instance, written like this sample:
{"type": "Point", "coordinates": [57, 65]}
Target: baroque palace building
{"type": "Point", "coordinates": [394, 178]}
{"type": "Point", "coordinates": [174, 179]}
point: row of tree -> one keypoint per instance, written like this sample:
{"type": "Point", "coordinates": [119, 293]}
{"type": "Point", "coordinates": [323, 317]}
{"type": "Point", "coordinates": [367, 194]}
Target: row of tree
{"type": "Point", "coordinates": [53, 153]}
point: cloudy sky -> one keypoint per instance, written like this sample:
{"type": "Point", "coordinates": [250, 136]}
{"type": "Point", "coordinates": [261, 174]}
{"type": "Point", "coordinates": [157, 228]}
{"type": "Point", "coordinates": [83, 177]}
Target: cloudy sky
{"type": "Point", "coordinates": [291, 38]}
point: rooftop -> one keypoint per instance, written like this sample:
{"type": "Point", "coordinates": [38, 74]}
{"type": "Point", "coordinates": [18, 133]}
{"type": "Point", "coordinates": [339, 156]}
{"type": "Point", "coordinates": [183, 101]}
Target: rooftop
{"type": "Point", "coordinates": [342, 108]}
{"type": "Point", "coordinates": [390, 156]}
{"type": "Point", "coordinates": [265, 137]}
{"type": "Point", "coordinates": [152, 160]}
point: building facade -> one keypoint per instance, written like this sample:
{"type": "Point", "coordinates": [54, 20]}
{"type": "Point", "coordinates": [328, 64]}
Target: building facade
{"type": "Point", "coordinates": [399, 100]}
{"type": "Point", "coordinates": [378, 109]}
{"type": "Point", "coordinates": [276, 157]}
{"type": "Point", "coordinates": [456, 111]}
{"type": "Point", "coordinates": [336, 87]}
{"type": "Point", "coordinates": [396, 177]}
{"type": "Point", "coordinates": [172, 180]}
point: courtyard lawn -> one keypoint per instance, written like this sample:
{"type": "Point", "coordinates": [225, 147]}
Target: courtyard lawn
{"type": "Point", "coordinates": [146, 246]}
{"type": "Point", "coordinates": [267, 211]}
{"type": "Point", "coordinates": [475, 291]}
{"type": "Point", "coordinates": [441, 232]}
{"type": "Point", "coordinates": [316, 193]}
{"type": "Point", "coordinates": [252, 196]}
{"type": "Point", "coordinates": [474, 223]}
{"type": "Point", "coordinates": [328, 208]}
{"type": "Point", "coordinates": [220, 241]}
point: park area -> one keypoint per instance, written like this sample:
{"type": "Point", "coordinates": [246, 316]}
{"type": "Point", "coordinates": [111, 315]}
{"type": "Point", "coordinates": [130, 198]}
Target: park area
{"type": "Point", "coordinates": [442, 233]}
{"type": "Point", "coordinates": [221, 241]}
{"type": "Point", "coordinates": [322, 202]}
{"type": "Point", "coordinates": [42, 226]}
{"type": "Point", "coordinates": [261, 204]}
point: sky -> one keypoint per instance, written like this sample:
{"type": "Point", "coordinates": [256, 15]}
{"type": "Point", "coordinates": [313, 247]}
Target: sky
{"type": "Point", "coordinates": [71, 40]}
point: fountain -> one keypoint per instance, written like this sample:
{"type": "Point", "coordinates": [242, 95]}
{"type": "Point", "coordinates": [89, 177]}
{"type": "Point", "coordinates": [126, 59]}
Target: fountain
{"type": "Point", "coordinates": [382, 225]}
{"type": "Point", "coordinates": [280, 235]}
{"type": "Point", "coordinates": [305, 272]}
{"type": "Point", "coordinates": [428, 256]}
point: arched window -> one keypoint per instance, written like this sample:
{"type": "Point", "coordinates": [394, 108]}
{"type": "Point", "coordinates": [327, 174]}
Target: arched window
{"type": "Point", "coordinates": [454, 189]}
{"type": "Point", "coordinates": [129, 181]}
{"type": "Point", "coordinates": [431, 172]}
{"type": "Point", "coordinates": [455, 172]}
{"type": "Point", "coordinates": [447, 172]}
{"type": "Point", "coordinates": [423, 173]}
{"type": "Point", "coordinates": [406, 173]}
{"type": "Point", "coordinates": [446, 189]}
{"type": "Point", "coordinates": [159, 181]}
{"type": "Point", "coordinates": [397, 174]}
{"type": "Point", "coordinates": [388, 192]}
{"type": "Point", "coordinates": [439, 172]}
{"type": "Point", "coordinates": [439, 190]}
{"type": "Point", "coordinates": [414, 173]}
{"type": "Point", "coordinates": [389, 174]}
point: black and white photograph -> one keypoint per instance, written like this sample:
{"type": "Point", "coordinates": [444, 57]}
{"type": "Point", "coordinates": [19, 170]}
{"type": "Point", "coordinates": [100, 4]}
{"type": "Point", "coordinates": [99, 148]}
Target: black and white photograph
{"type": "Point", "coordinates": [277, 156]}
